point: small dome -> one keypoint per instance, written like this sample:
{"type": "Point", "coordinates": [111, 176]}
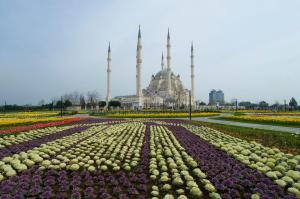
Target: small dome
{"type": "Point", "coordinates": [161, 73]}
{"type": "Point", "coordinates": [158, 85]}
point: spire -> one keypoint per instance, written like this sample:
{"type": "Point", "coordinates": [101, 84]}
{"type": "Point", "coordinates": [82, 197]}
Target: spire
{"type": "Point", "coordinates": [192, 75]}
{"type": "Point", "coordinates": [139, 34]}
{"type": "Point", "coordinates": [162, 61]}
{"type": "Point", "coordinates": [139, 93]}
{"type": "Point", "coordinates": [108, 96]}
{"type": "Point", "coordinates": [169, 64]}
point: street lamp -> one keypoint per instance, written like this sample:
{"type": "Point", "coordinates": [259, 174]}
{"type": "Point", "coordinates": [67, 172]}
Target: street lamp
{"type": "Point", "coordinates": [5, 106]}
{"type": "Point", "coordinates": [190, 102]}
{"type": "Point", "coordinates": [284, 105]}
{"type": "Point", "coordinates": [61, 106]}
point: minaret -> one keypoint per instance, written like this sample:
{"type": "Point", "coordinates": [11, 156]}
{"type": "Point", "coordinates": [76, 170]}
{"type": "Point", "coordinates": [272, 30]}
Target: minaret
{"type": "Point", "coordinates": [169, 63]}
{"type": "Point", "coordinates": [162, 61]}
{"type": "Point", "coordinates": [139, 93]}
{"type": "Point", "coordinates": [108, 96]}
{"type": "Point", "coordinates": [192, 75]}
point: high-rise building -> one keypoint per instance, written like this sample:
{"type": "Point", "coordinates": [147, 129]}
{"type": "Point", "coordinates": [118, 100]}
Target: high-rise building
{"type": "Point", "coordinates": [216, 97]}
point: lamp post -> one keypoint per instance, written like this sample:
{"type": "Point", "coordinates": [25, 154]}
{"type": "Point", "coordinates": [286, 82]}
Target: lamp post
{"type": "Point", "coordinates": [190, 102]}
{"type": "Point", "coordinates": [284, 105]}
{"type": "Point", "coordinates": [61, 106]}
{"type": "Point", "coordinates": [236, 105]}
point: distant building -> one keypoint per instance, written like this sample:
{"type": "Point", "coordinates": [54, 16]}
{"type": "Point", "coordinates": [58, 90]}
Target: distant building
{"type": "Point", "coordinates": [216, 97]}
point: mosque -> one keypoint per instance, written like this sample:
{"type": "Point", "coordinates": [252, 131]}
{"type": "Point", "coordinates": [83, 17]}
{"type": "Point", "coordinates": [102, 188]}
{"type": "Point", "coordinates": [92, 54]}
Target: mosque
{"type": "Point", "coordinates": [165, 88]}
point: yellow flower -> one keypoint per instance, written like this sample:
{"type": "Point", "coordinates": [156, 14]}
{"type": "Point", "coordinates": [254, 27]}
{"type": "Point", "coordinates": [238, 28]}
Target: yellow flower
{"type": "Point", "coordinates": [14, 122]}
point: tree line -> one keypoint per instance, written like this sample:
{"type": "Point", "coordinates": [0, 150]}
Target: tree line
{"type": "Point", "coordinates": [88, 100]}
{"type": "Point", "coordinates": [291, 105]}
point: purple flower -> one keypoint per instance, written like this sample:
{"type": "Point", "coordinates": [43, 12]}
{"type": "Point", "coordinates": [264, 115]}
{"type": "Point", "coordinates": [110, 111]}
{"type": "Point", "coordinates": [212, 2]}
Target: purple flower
{"type": "Point", "coordinates": [226, 196]}
{"type": "Point", "coordinates": [132, 191]}
{"type": "Point", "coordinates": [18, 196]}
{"type": "Point", "coordinates": [89, 182]}
{"type": "Point", "coordinates": [7, 188]}
{"type": "Point", "coordinates": [47, 194]}
{"type": "Point", "coordinates": [61, 195]}
{"type": "Point", "coordinates": [142, 187]}
{"type": "Point", "coordinates": [5, 196]}
{"type": "Point", "coordinates": [75, 195]}
{"type": "Point", "coordinates": [35, 190]}
{"type": "Point", "coordinates": [89, 190]}
{"type": "Point", "coordinates": [116, 190]}
{"type": "Point", "coordinates": [105, 195]}
{"type": "Point", "coordinates": [101, 183]}
{"type": "Point", "coordinates": [291, 197]}
{"type": "Point", "coordinates": [123, 196]}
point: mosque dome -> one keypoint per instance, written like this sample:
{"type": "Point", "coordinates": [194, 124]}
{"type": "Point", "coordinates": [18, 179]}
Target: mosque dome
{"type": "Point", "coordinates": [158, 85]}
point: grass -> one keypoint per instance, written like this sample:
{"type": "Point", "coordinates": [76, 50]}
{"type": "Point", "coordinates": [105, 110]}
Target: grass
{"type": "Point", "coordinates": [287, 142]}
{"type": "Point", "coordinates": [259, 122]}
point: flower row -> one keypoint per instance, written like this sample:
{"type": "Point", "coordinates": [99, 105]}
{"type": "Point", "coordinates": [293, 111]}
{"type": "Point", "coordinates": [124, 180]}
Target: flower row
{"type": "Point", "coordinates": [174, 172]}
{"type": "Point", "coordinates": [283, 169]}
{"type": "Point", "coordinates": [39, 125]}
{"type": "Point", "coordinates": [118, 146]}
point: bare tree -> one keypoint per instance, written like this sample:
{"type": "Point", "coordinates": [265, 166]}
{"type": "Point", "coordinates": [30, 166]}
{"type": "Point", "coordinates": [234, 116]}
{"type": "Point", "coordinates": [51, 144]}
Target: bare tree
{"type": "Point", "coordinates": [73, 97]}
{"type": "Point", "coordinates": [76, 97]}
{"type": "Point", "coordinates": [82, 101]}
{"type": "Point", "coordinates": [41, 102]}
{"type": "Point", "coordinates": [92, 98]}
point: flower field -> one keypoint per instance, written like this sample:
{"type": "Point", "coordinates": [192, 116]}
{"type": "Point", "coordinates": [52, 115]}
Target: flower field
{"type": "Point", "coordinates": [142, 158]}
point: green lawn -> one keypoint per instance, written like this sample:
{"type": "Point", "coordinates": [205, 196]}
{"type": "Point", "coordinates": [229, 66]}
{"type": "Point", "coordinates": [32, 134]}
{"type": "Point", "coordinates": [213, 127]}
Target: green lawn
{"type": "Point", "coordinates": [287, 142]}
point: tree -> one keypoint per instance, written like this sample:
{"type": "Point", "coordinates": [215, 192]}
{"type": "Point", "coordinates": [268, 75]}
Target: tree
{"type": "Point", "coordinates": [114, 103]}
{"type": "Point", "coordinates": [82, 102]}
{"type": "Point", "coordinates": [68, 103]}
{"type": "Point", "coordinates": [275, 106]}
{"type": "Point", "coordinates": [92, 98]}
{"type": "Point", "coordinates": [202, 103]}
{"type": "Point", "coordinates": [51, 106]}
{"type": "Point", "coordinates": [59, 104]}
{"type": "Point", "coordinates": [102, 104]}
{"type": "Point", "coordinates": [246, 104]}
{"type": "Point", "coordinates": [293, 103]}
{"type": "Point", "coordinates": [41, 102]}
{"type": "Point", "coordinates": [263, 105]}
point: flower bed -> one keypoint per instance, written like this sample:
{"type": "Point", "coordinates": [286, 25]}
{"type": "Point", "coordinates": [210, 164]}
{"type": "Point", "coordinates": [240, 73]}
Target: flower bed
{"type": "Point", "coordinates": [283, 169]}
{"type": "Point", "coordinates": [16, 122]}
{"type": "Point", "coordinates": [24, 115]}
{"type": "Point", "coordinates": [39, 125]}
{"type": "Point", "coordinates": [142, 158]}
{"type": "Point", "coordinates": [230, 177]}
{"type": "Point", "coordinates": [280, 120]}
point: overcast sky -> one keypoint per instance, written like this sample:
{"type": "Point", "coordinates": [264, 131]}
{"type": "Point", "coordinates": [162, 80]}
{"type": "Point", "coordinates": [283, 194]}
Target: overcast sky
{"type": "Point", "coordinates": [250, 49]}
